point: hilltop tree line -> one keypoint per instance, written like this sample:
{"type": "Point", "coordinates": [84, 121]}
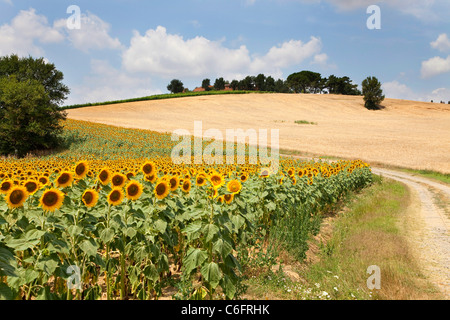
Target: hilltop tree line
{"type": "Point", "coordinates": [300, 82]}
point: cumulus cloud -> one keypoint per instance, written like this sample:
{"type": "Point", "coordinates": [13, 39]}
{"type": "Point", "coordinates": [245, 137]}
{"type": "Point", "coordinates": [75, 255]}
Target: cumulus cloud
{"type": "Point", "coordinates": [92, 34]}
{"type": "Point", "coordinates": [106, 83]}
{"type": "Point", "coordinates": [168, 55]}
{"type": "Point", "coordinates": [440, 94]}
{"type": "Point", "coordinates": [397, 90]}
{"type": "Point", "coordinates": [24, 33]}
{"type": "Point", "coordinates": [442, 43]}
{"type": "Point", "coordinates": [435, 66]}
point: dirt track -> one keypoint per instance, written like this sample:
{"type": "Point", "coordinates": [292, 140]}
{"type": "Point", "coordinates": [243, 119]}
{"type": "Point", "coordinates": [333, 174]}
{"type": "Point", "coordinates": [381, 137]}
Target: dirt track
{"type": "Point", "coordinates": [404, 133]}
{"type": "Point", "coordinates": [429, 225]}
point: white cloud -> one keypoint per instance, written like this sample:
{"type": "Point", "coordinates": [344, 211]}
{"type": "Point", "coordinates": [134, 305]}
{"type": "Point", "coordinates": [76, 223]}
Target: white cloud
{"type": "Point", "coordinates": [169, 55]}
{"type": "Point", "coordinates": [435, 66]}
{"type": "Point", "coordinates": [106, 83]}
{"type": "Point", "coordinates": [440, 94]}
{"type": "Point", "coordinates": [397, 90]}
{"type": "Point", "coordinates": [93, 33]}
{"type": "Point", "coordinates": [25, 30]}
{"type": "Point", "coordinates": [442, 43]}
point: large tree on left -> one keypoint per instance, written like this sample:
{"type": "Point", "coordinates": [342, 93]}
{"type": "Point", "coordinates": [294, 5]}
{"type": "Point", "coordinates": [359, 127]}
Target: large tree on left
{"type": "Point", "coordinates": [31, 91]}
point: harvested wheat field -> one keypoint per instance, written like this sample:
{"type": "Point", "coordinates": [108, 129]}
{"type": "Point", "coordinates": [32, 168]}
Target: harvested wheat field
{"type": "Point", "coordinates": [404, 133]}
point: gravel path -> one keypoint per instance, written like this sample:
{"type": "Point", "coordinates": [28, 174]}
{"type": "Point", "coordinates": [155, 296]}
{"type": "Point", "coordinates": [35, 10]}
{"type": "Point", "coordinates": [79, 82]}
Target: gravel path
{"type": "Point", "coordinates": [432, 240]}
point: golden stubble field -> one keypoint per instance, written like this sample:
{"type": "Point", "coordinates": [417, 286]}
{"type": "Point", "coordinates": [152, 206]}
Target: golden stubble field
{"type": "Point", "coordinates": [405, 133]}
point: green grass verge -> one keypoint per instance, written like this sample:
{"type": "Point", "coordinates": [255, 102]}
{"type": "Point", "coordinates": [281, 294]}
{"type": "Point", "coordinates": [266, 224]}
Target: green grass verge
{"type": "Point", "coordinates": [442, 177]}
{"type": "Point", "coordinates": [159, 97]}
{"type": "Point", "coordinates": [367, 232]}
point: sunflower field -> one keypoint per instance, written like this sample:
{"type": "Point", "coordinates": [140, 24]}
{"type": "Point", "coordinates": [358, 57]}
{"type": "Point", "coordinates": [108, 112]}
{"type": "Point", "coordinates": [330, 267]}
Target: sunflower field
{"type": "Point", "coordinates": [111, 217]}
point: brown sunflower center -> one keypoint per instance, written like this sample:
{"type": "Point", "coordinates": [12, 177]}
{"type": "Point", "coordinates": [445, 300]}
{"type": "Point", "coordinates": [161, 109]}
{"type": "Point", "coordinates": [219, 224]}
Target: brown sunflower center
{"type": "Point", "coordinates": [88, 197]}
{"type": "Point", "coordinates": [117, 180]}
{"type": "Point", "coordinates": [133, 190]}
{"type": "Point", "coordinates": [50, 198]}
{"type": "Point", "coordinates": [31, 186]}
{"type": "Point", "coordinates": [160, 189]}
{"type": "Point", "coordinates": [6, 185]}
{"type": "Point", "coordinates": [80, 169]}
{"type": "Point", "coordinates": [115, 195]}
{"type": "Point", "coordinates": [16, 196]}
{"type": "Point", "coordinates": [147, 168]}
{"type": "Point", "coordinates": [103, 175]}
{"type": "Point", "coordinates": [64, 178]}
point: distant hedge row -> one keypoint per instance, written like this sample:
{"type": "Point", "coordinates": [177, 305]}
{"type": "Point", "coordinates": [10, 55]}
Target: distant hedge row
{"type": "Point", "coordinates": [157, 97]}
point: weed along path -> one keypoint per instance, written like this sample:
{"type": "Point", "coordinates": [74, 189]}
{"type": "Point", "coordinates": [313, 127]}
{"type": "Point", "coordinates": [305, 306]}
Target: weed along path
{"type": "Point", "coordinates": [429, 225]}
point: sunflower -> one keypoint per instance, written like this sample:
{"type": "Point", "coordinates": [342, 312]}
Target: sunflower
{"type": "Point", "coordinates": [220, 199]}
{"type": "Point", "coordinates": [118, 180]}
{"type": "Point", "coordinates": [174, 183]}
{"type": "Point", "coordinates": [134, 190]}
{"type": "Point", "coordinates": [5, 186]}
{"type": "Point", "coordinates": [31, 185]}
{"type": "Point", "coordinates": [104, 176]}
{"type": "Point", "coordinates": [228, 198]}
{"type": "Point", "coordinates": [294, 181]}
{"type": "Point", "coordinates": [43, 180]}
{"type": "Point", "coordinates": [90, 198]}
{"type": "Point", "coordinates": [162, 189]}
{"type": "Point", "coordinates": [16, 197]}
{"type": "Point", "coordinates": [234, 186]}
{"type": "Point", "coordinates": [115, 197]}
{"type": "Point", "coordinates": [200, 180]}
{"type": "Point", "coordinates": [81, 169]}
{"type": "Point", "coordinates": [244, 176]}
{"type": "Point", "coordinates": [65, 179]}
{"type": "Point", "coordinates": [216, 180]}
{"type": "Point", "coordinates": [214, 192]}
{"type": "Point", "coordinates": [148, 168]}
{"type": "Point", "coordinates": [51, 199]}
{"type": "Point", "coordinates": [152, 178]}
{"type": "Point", "coordinates": [186, 187]}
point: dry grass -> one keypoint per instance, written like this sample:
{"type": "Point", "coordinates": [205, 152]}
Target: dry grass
{"type": "Point", "coordinates": [404, 133]}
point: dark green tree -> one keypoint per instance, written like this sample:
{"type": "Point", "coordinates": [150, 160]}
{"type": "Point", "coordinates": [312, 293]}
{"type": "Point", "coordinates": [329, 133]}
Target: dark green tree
{"type": "Point", "coordinates": [175, 86]}
{"type": "Point", "coordinates": [234, 84]}
{"type": "Point", "coordinates": [31, 91]}
{"type": "Point", "coordinates": [205, 84]}
{"type": "Point", "coordinates": [219, 84]}
{"type": "Point", "coordinates": [28, 119]}
{"type": "Point", "coordinates": [260, 82]}
{"type": "Point", "coordinates": [372, 92]}
{"type": "Point", "coordinates": [281, 86]}
{"type": "Point", "coordinates": [29, 68]}
{"type": "Point", "coordinates": [270, 84]}
{"type": "Point", "coordinates": [304, 81]}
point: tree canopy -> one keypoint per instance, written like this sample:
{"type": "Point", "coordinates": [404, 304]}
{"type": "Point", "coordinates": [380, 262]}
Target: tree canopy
{"type": "Point", "coordinates": [175, 86]}
{"type": "Point", "coordinates": [30, 93]}
{"type": "Point", "coordinates": [373, 94]}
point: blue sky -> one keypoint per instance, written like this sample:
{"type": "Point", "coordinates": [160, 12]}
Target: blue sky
{"type": "Point", "coordinates": [125, 49]}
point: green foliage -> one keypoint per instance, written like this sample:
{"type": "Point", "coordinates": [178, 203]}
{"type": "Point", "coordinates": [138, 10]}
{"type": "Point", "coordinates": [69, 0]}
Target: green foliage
{"type": "Point", "coordinates": [341, 85]}
{"type": "Point", "coordinates": [29, 121]}
{"type": "Point", "coordinates": [36, 69]}
{"type": "Point", "coordinates": [373, 94]}
{"type": "Point", "coordinates": [30, 92]}
{"type": "Point", "coordinates": [205, 84]}
{"type": "Point", "coordinates": [304, 81]}
{"type": "Point", "coordinates": [219, 84]}
{"type": "Point", "coordinates": [175, 86]}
